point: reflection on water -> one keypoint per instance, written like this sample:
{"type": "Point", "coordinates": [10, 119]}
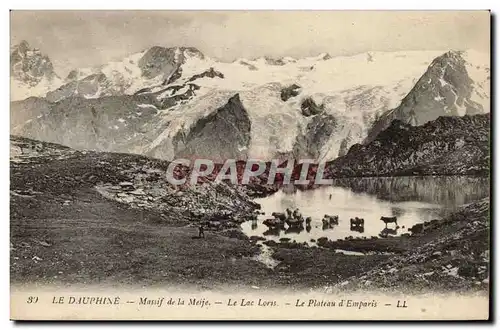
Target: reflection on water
{"type": "Point", "coordinates": [442, 190]}
{"type": "Point", "coordinates": [388, 232]}
{"type": "Point", "coordinates": [411, 199]}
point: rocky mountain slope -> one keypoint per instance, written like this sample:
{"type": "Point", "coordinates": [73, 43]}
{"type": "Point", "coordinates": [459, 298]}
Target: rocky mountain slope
{"type": "Point", "coordinates": [445, 146]}
{"type": "Point", "coordinates": [447, 88]}
{"type": "Point", "coordinates": [314, 107]}
{"type": "Point", "coordinates": [32, 73]}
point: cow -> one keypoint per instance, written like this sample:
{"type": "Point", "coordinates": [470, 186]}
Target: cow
{"type": "Point", "coordinates": [295, 222]}
{"type": "Point", "coordinates": [326, 225]}
{"type": "Point", "coordinates": [212, 224]}
{"type": "Point", "coordinates": [357, 222]}
{"type": "Point", "coordinates": [279, 215]}
{"type": "Point", "coordinates": [387, 220]}
{"type": "Point", "coordinates": [332, 219]}
{"type": "Point", "coordinates": [296, 214]}
{"type": "Point", "coordinates": [273, 223]}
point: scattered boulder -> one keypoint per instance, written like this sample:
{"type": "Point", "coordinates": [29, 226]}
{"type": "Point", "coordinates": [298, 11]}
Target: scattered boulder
{"type": "Point", "coordinates": [257, 238]}
{"type": "Point", "coordinates": [289, 92]}
{"type": "Point", "coordinates": [467, 270]}
{"type": "Point", "coordinates": [310, 108]}
{"type": "Point", "coordinates": [322, 241]}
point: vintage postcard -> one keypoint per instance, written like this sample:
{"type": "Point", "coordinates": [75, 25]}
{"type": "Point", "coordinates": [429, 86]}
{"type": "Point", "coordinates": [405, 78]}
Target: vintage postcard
{"type": "Point", "coordinates": [250, 165]}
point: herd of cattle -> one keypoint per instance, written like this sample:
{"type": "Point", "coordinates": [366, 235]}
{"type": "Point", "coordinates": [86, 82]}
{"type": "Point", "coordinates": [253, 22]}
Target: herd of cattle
{"type": "Point", "coordinates": [294, 219]}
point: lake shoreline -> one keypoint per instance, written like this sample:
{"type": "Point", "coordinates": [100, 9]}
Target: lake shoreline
{"type": "Point", "coordinates": [264, 190]}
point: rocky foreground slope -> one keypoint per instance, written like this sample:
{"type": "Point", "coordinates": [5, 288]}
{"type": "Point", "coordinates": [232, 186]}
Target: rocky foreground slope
{"type": "Point", "coordinates": [445, 146]}
{"type": "Point", "coordinates": [46, 169]}
{"type": "Point", "coordinates": [453, 254]}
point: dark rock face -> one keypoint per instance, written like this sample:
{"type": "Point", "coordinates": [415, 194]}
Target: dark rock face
{"type": "Point", "coordinates": [273, 61]}
{"type": "Point", "coordinates": [165, 61]}
{"type": "Point", "coordinates": [30, 65]}
{"type": "Point", "coordinates": [210, 73]}
{"type": "Point", "coordinates": [443, 90]}
{"type": "Point", "coordinates": [317, 134]}
{"type": "Point", "coordinates": [169, 96]}
{"type": "Point", "coordinates": [158, 60]}
{"type": "Point", "coordinates": [326, 57]}
{"type": "Point", "coordinates": [174, 76]}
{"type": "Point", "coordinates": [310, 108]}
{"type": "Point", "coordinates": [289, 92]}
{"type": "Point", "coordinates": [170, 101]}
{"type": "Point", "coordinates": [250, 67]}
{"type": "Point", "coordinates": [72, 75]}
{"type": "Point", "coordinates": [218, 136]}
{"type": "Point", "coordinates": [445, 146]}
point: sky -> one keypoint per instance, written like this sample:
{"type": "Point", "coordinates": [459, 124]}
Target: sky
{"type": "Point", "coordinates": [75, 39]}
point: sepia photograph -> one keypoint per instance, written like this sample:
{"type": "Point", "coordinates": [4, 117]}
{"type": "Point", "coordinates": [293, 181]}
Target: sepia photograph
{"type": "Point", "coordinates": [250, 165]}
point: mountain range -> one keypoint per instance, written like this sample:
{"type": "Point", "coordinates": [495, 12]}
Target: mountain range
{"type": "Point", "coordinates": [171, 102]}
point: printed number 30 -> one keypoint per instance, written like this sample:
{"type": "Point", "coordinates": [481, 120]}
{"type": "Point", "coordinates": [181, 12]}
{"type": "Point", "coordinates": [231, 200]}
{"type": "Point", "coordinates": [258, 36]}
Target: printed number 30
{"type": "Point", "coordinates": [32, 300]}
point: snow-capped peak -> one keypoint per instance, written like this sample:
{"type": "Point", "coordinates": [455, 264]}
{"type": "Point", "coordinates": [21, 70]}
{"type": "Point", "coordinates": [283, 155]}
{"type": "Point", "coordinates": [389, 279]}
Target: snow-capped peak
{"type": "Point", "coordinates": [32, 72]}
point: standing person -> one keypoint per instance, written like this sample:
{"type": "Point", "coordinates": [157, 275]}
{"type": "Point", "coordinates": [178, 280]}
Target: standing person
{"type": "Point", "coordinates": [201, 231]}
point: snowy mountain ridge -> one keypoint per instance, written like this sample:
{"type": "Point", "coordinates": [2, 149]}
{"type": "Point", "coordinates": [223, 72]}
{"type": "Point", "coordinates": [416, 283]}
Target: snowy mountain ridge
{"type": "Point", "coordinates": [315, 107]}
